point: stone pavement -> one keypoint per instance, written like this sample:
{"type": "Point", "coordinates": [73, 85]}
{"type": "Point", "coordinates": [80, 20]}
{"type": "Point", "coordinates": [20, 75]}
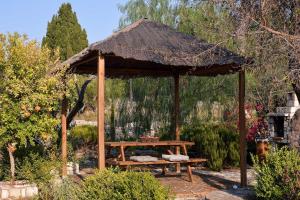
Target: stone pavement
{"type": "Point", "coordinates": [209, 185]}
{"type": "Point", "coordinates": [238, 194]}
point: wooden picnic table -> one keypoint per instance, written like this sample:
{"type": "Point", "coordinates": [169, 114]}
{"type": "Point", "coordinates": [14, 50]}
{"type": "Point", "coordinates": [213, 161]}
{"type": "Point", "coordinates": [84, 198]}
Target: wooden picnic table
{"type": "Point", "coordinates": [173, 143]}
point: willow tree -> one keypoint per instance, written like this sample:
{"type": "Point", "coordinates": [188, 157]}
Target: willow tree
{"type": "Point", "coordinates": [203, 19]}
{"type": "Point", "coordinates": [29, 95]}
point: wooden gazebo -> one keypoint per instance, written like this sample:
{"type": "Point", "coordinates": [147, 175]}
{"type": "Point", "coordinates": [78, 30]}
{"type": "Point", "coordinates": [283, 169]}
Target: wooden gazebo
{"type": "Point", "coordinates": [147, 48]}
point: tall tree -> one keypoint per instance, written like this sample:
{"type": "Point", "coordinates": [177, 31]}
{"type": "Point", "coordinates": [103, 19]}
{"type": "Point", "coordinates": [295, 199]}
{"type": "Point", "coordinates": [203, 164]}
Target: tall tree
{"type": "Point", "coordinates": [64, 32]}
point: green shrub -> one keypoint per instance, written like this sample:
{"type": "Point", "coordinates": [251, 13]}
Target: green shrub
{"type": "Point", "coordinates": [37, 169]}
{"type": "Point", "coordinates": [108, 184]}
{"type": "Point", "coordinates": [66, 190]}
{"type": "Point", "coordinates": [278, 177]}
{"type": "Point", "coordinates": [33, 163]}
{"type": "Point", "coordinates": [82, 135]}
{"type": "Point", "coordinates": [217, 142]}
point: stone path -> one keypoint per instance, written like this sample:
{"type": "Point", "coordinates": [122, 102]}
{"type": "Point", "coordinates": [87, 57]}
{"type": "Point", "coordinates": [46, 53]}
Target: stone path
{"type": "Point", "coordinates": [238, 194]}
{"type": "Point", "coordinates": [209, 185]}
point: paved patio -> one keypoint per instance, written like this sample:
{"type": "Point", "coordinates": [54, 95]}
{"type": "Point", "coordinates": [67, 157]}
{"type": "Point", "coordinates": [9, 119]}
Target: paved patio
{"type": "Point", "coordinates": [211, 185]}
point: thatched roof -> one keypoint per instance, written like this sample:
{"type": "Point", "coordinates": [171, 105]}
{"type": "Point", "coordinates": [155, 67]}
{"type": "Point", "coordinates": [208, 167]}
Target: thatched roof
{"type": "Point", "coordinates": [149, 48]}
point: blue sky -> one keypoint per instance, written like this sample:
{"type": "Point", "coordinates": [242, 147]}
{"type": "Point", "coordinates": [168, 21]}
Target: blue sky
{"type": "Point", "coordinates": [99, 17]}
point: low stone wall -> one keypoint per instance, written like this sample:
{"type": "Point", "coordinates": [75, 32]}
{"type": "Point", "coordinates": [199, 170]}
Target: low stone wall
{"type": "Point", "coordinates": [21, 189]}
{"type": "Point", "coordinates": [72, 168]}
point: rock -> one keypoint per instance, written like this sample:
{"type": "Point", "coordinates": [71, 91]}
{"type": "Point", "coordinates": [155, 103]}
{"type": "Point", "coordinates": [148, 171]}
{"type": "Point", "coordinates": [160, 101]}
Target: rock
{"type": "Point", "coordinates": [4, 194]}
{"type": "Point", "coordinates": [21, 189]}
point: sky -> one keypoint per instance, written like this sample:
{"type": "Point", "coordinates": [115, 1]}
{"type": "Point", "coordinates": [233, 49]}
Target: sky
{"type": "Point", "coordinates": [99, 17]}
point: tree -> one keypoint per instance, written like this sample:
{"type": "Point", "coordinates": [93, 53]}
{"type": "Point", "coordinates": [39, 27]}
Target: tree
{"type": "Point", "coordinates": [266, 31]}
{"type": "Point", "coordinates": [64, 32]}
{"type": "Point", "coordinates": [163, 11]}
{"type": "Point", "coordinates": [154, 97]}
{"type": "Point", "coordinates": [29, 95]}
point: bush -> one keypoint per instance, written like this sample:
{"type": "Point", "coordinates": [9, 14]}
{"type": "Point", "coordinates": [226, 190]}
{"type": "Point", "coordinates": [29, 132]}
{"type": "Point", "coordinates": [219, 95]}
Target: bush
{"type": "Point", "coordinates": [37, 169]}
{"type": "Point", "coordinates": [217, 142]}
{"type": "Point", "coordinates": [106, 184]}
{"type": "Point", "coordinates": [33, 163]}
{"type": "Point", "coordinates": [83, 135]}
{"type": "Point", "coordinates": [66, 190]}
{"type": "Point", "coordinates": [109, 184]}
{"type": "Point", "coordinates": [278, 177]}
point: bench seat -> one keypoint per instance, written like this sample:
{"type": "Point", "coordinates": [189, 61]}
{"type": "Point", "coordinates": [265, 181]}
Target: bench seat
{"type": "Point", "coordinates": [158, 162]}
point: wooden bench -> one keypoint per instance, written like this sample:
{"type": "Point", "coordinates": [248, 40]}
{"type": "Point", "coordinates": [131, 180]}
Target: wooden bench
{"type": "Point", "coordinates": [158, 162]}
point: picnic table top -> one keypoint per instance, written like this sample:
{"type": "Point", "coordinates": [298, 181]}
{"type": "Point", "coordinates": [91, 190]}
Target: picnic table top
{"type": "Point", "coordinates": [157, 143]}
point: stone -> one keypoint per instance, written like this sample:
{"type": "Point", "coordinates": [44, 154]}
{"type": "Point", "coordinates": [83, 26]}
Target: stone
{"type": "Point", "coordinates": [77, 171]}
{"type": "Point", "coordinates": [21, 189]}
{"type": "Point", "coordinates": [15, 192]}
{"type": "Point", "coordinates": [31, 191]}
{"type": "Point", "coordinates": [4, 194]}
{"type": "Point", "coordinates": [23, 192]}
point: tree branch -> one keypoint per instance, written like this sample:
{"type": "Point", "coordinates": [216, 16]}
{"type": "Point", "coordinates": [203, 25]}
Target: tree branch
{"type": "Point", "coordinates": [79, 103]}
{"type": "Point", "coordinates": [286, 35]}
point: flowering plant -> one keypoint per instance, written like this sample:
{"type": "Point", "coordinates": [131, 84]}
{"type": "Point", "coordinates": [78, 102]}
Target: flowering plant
{"type": "Point", "coordinates": [258, 128]}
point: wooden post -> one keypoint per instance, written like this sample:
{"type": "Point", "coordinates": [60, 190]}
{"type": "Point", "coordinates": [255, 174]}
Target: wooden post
{"type": "Point", "coordinates": [176, 118]}
{"type": "Point", "coordinates": [242, 129]}
{"type": "Point", "coordinates": [64, 108]}
{"type": "Point", "coordinates": [100, 112]}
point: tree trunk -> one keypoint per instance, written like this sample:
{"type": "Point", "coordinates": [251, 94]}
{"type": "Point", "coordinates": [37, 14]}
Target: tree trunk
{"type": "Point", "coordinates": [294, 137]}
{"type": "Point", "coordinates": [11, 149]}
{"type": "Point", "coordinates": [112, 122]}
{"type": "Point", "coordinates": [79, 103]}
{"type": "Point", "coordinates": [294, 54]}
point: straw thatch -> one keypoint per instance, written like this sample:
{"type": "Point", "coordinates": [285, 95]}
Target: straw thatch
{"type": "Point", "coordinates": [150, 48]}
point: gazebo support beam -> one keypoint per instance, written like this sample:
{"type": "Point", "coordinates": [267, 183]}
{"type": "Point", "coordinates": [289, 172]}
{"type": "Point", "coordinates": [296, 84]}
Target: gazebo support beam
{"type": "Point", "coordinates": [100, 111]}
{"type": "Point", "coordinates": [176, 118]}
{"type": "Point", "coordinates": [242, 129]}
{"type": "Point", "coordinates": [64, 108]}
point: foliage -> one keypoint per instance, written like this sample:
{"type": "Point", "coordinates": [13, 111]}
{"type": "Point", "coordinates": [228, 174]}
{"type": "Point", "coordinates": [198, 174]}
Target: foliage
{"type": "Point", "coordinates": [65, 190]}
{"type": "Point", "coordinates": [217, 142]}
{"type": "Point", "coordinates": [81, 135]}
{"type": "Point", "coordinates": [37, 169]}
{"type": "Point", "coordinates": [64, 32]}
{"type": "Point", "coordinates": [153, 98]}
{"type": "Point", "coordinates": [278, 176]}
{"type": "Point", "coordinates": [30, 93]}
{"type": "Point", "coordinates": [258, 127]}
{"type": "Point", "coordinates": [108, 184]}
{"type": "Point", "coordinates": [163, 11]}
{"type": "Point", "coordinates": [217, 22]}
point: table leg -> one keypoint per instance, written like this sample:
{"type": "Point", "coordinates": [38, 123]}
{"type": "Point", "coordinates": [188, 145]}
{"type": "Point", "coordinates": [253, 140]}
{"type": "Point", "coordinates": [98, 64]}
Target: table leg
{"type": "Point", "coordinates": [122, 152]}
{"type": "Point", "coordinates": [178, 170]}
{"type": "Point", "coordinates": [189, 172]}
{"type": "Point", "coordinates": [184, 149]}
{"type": "Point", "coordinates": [189, 168]}
{"type": "Point", "coordinates": [164, 170]}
